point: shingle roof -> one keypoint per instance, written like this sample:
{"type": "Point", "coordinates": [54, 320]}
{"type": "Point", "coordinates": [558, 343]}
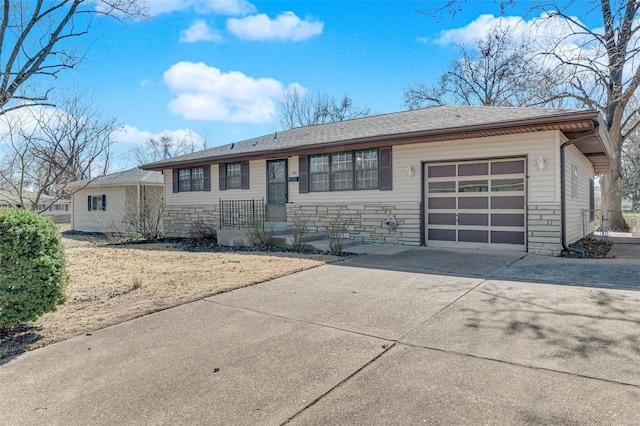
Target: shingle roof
{"type": "Point", "coordinates": [400, 123]}
{"type": "Point", "coordinates": [12, 198]}
{"type": "Point", "coordinates": [127, 177]}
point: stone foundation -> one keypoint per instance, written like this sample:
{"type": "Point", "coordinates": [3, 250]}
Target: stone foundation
{"type": "Point", "coordinates": [177, 220]}
{"type": "Point", "coordinates": [365, 222]}
{"type": "Point", "coordinates": [544, 229]}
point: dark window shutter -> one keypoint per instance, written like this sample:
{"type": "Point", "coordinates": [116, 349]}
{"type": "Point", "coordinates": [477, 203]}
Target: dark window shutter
{"type": "Point", "coordinates": [244, 175]}
{"type": "Point", "coordinates": [176, 180]}
{"type": "Point", "coordinates": [89, 202]}
{"type": "Point", "coordinates": [104, 202]}
{"type": "Point", "coordinates": [303, 174]}
{"type": "Point", "coordinates": [222, 176]}
{"type": "Point", "coordinates": [207, 177]}
{"type": "Point", "coordinates": [384, 175]}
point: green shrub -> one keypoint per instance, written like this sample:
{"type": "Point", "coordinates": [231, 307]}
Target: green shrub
{"type": "Point", "coordinates": [33, 271]}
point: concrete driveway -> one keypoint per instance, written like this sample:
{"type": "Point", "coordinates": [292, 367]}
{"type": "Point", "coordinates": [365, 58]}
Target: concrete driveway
{"type": "Point", "coordinates": [398, 337]}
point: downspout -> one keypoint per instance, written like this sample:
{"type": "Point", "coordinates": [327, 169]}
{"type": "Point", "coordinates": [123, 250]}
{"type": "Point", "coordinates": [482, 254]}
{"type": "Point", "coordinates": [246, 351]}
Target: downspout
{"type": "Point", "coordinates": [563, 192]}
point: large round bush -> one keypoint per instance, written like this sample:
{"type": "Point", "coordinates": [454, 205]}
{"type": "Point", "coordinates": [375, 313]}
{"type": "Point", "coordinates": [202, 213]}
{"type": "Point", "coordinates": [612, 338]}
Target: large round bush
{"type": "Point", "coordinates": [33, 270]}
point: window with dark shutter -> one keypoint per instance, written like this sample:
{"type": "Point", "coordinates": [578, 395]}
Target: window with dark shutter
{"type": "Point", "coordinates": [207, 178]}
{"type": "Point", "coordinates": [384, 176]}
{"type": "Point", "coordinates": [176, 181]}
{"type": "Point", "coordinates": [244, 175]}
{"type": "Point", "coordinates": [222, 177]}
{"type": "Point", "coordinates": [89, 202]}
{"type": "Point", "coordinates": [303, 174]}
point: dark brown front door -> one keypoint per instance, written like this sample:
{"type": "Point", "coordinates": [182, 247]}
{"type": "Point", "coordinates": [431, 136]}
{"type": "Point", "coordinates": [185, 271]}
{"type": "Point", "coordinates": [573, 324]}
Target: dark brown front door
{"type": "Point", "coordinates": [277, 190]}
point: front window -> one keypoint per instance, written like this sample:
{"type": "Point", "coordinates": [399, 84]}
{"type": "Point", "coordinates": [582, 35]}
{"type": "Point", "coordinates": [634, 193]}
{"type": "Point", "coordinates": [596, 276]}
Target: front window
{"type": "Point", "coordinates": [367, 169]}
{"type": "Point", "coordinates": [234, 176]}
{"type": "Point", "coordinates": [319, 173]}
{"type": "Point", "coordinates": [191, 179]}
{"type": "Point", "coordinates": [344, 171]}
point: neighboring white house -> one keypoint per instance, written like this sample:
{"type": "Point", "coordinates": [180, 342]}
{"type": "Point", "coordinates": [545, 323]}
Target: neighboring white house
{"type": "Point", "coordinates": [453, 176]}
{"type": "Point", "coordinates": [102, 203]}
{"type": "Point", "coordinates": [58, 209]}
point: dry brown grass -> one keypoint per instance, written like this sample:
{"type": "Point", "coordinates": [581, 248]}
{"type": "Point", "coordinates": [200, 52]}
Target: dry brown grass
{"type": "Point", "coordinates": [111, 284]}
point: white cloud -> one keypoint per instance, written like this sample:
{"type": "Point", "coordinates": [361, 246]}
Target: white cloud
{"type": "Point", "coordinates": [131, 135]}
{"type": "Point", "coordinates": [206, 93]}
{"type": "Point", "coordinates": [200, 31]}
{"type": "Point", "coordinates": [547, 29]}
{"type": "Point", "coordinates": [221, 7]}
{"type": "Point", "coordinates": [228, 7]}
{"type": "Point", "coordinates": [147, 82]}
{"type": "Point", "coordinates": [286, 26]}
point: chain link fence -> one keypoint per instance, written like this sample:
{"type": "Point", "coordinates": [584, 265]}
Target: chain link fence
{"type": "Point", "coordinates": [602, 228]}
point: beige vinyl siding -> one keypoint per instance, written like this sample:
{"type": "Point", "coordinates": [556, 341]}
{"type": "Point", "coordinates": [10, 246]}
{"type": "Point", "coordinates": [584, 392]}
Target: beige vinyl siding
{"type": "Point", "coordinates": [96, 220]}
{"type": "Point", "coordinates": [406, 189]}
{"type": "Point", "coordinates": [257, 188]}
{"type": "Point", "coordinates": [574, 207]}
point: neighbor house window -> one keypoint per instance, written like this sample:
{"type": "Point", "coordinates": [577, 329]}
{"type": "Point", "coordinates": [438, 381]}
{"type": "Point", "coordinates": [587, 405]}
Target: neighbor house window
{"type": "Point", "coordinates": [344, 171]}
{"type": "Point", "coordinates": [234, 176]}
{"type": "Point", "coordinates": [97, 202]}
{"type": "Point", "coordinates": [574, 181]}
{"type": "Point", "coordinates": [191, 179]}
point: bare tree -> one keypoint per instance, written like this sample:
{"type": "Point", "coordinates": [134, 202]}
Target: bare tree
{"type": "Point", "coordinates": [298, 109]}
{"type": "Point", "coordinates": [35, 42]}
{"type": "Point", "coordinates": [494, 71]}
{"type": "Point", "coordinates": [167, 146]}
{"type": "Point", "coordinates": [602, 70]}
{"type": "Point", "coordinates": [46, 148]}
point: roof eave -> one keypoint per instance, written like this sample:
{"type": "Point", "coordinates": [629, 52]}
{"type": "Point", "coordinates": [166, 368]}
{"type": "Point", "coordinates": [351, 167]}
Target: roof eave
{"type": "Point", "coordinates": [461, 132]}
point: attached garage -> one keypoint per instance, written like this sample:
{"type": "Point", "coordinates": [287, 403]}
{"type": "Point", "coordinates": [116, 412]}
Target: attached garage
{"type": "Point", "coordinates": [476, 204]}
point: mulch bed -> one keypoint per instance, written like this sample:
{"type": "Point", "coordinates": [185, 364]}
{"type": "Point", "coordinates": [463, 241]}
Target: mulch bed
{"type": "Point", "coordinates": [592, 248]}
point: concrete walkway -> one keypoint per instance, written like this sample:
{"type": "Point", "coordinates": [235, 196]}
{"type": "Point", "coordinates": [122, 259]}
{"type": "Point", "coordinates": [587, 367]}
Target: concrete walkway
{"type": "Point", "coordinates": [418, 336]}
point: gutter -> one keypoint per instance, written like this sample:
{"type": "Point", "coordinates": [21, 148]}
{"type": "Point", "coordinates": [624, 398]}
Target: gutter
{"type": "Point", "coordinates": [595, 127]}
{"type": "Point", "coordinates": [440, 134]}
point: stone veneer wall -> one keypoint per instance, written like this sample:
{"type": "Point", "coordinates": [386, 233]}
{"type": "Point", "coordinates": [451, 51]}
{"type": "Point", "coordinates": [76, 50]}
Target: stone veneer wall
{"type": "Point", "coordinates": [177, 220]}
{"type": "Point", "coordinates": [544, 229]}
{"type": "Point", "coordinates": [366, 221]}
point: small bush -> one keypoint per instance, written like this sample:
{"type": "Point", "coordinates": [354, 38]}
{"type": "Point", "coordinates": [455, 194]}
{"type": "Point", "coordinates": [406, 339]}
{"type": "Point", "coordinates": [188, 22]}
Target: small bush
{"type": "Point", "coordinates": [258, 235]}
{"type": "Point", "coordinates": [33, 269]}
{"type": "Point", "coordinates": [336, 228]}
{"type": "Point", "coordinates": [300, 232]}
{"type": "Point", "coordinates": [201, 233]}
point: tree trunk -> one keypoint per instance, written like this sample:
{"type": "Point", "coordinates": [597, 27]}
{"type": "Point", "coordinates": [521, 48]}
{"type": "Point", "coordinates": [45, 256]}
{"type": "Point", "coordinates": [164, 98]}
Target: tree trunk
{"type": "Point", "coordinates": [612, 188]}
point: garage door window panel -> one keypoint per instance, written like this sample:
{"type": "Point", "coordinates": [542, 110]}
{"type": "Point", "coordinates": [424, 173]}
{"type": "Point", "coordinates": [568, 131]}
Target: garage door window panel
{"type": "Point", "coordinates": [442, 187]}
{"type": "Point", "coordinates": [503, 203]}
{"type": "Point", "coordinates": [478, 169]}
{"type": "Point", "coordinates": [507, 167]}
{"type": "Point", "coordinates": [473, 219]}
{"type": "Point", "coordinates": [507, 185]}
{"type": "Point", "coordinates": [473, 186]}
{"type": "Point", "coordinates": [473, 236]}
{"type": "Point", "coordinates": [473, 203]}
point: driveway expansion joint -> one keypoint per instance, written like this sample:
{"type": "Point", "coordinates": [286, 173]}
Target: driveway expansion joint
{"type": "Point", "coordinates": [343, 381]}
{"type": "Point", "coordinates": [386, 339]}
{"type": "Point", "coordinates": [516, 364]}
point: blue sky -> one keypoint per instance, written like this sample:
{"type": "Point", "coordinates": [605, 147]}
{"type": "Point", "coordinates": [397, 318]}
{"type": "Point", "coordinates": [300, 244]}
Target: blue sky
{"type": "Point", "coordinates": [218, 67]}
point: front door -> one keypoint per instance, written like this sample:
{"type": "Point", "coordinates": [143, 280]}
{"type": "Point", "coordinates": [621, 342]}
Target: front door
{"type": "Point", "coordinates": [277, 190]}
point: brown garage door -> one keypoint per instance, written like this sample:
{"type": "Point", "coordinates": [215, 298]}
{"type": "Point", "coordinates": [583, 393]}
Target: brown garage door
{"type": "Point", "coordinates": [476, 204]}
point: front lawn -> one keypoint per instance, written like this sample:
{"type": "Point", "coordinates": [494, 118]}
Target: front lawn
{"type": "Point", "coordinates": [112, 284]}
